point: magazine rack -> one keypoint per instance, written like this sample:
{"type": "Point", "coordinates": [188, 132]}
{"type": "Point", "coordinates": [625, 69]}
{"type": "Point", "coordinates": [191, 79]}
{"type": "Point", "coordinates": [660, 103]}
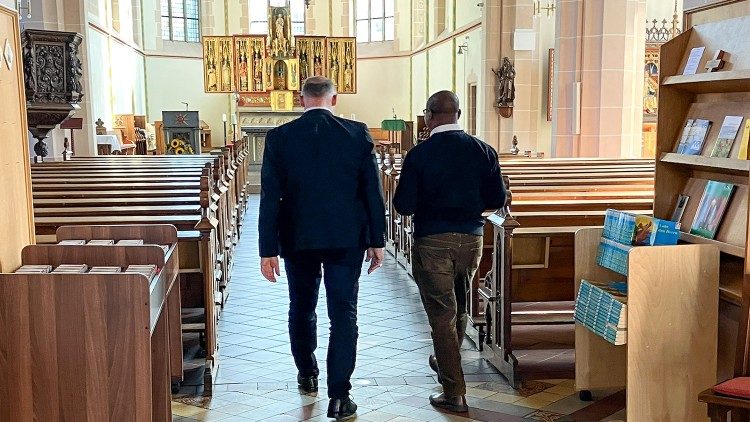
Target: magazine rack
{"type": "Point", "coordinates": [670, 354]}
{"type": "Point", "coordinates": [682, 332]}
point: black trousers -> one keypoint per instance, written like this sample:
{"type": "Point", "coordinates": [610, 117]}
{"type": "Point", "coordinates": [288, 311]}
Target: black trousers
{"type": "Point", "coordinates": [342, 268]}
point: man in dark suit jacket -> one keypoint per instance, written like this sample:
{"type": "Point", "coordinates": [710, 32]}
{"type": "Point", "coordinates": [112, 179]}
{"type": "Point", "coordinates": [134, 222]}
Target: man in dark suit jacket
{"type": "Point", "coordinates": [321, 206]}
{"type": "Point", "coordinates": [447, 182]}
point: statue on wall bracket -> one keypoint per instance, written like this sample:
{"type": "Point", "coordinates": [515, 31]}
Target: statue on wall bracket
{"type": "Point", "coordinates": [506, 88]}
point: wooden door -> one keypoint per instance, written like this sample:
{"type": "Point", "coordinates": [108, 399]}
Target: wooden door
{"type": "Point", "coordinates": [16, 217]}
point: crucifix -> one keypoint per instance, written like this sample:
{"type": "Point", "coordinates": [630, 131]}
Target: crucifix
{"type": "Point", "coordinates": [717, 63]}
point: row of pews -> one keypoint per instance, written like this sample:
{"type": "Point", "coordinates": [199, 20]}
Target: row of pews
{"type": "Point", "coordinates": [549, 200]}
{"type": "Point", "coordinates": [203, 196]}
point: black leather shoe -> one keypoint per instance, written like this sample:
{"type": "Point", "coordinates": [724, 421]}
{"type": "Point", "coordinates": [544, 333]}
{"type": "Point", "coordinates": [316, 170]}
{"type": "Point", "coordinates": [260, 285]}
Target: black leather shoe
{"type": "Point", "coordinates": [434, 366]}
{"type": "Point", "coordinates": [307, 384]}
{"type": "Point", "coordinates": [452, 404]}
{"type": "Point", "coordinates": [341, 409]}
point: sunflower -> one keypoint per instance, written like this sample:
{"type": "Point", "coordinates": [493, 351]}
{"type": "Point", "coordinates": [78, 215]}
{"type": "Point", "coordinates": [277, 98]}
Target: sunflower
{"type": "Point", "coordinates": [179, 150]}
{"type": "Point", "coordinates": [175, 143]}
{"type": "Point", "coordinates": [189, 149]}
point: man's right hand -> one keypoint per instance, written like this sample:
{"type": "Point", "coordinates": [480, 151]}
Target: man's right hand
{"type": "Point", "coordinates": [270, 268]}
{"type": "Point", "coordinates": [375, 257]}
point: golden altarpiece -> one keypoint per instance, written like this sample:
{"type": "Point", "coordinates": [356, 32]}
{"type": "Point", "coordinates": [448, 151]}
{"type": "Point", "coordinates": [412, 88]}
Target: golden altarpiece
{"type": "Point", "coordinates": [266, 72]}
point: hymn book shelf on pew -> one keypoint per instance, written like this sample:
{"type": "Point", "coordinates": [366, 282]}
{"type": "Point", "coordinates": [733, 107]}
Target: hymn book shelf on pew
{"type": "Point", "coordinates": [97, 345]}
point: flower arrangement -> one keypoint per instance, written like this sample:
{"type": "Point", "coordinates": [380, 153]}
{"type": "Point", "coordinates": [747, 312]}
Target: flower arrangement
{"type": "Point", "coordinates": [179, 147]}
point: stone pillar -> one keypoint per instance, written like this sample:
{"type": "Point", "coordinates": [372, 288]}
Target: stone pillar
{"type": "Point", "coordinates": [600, 45]}
{"type": "Point", "coordinates": [487, 116]}
{"type": "Point", "coordinates": [75, 20]}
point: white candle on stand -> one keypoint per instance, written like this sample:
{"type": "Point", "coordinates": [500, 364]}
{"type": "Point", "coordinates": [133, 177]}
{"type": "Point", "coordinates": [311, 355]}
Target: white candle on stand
{"type": "Point", "coordinates": [234, 119]}
{"type": "Point", "coordinates": [224, 118]}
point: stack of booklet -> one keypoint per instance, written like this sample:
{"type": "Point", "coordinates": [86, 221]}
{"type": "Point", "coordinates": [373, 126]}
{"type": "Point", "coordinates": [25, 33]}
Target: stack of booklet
{"type": "Point", "coordinates": [130, 242]}
{"type": "Point", "coordinates": [72, 242]}
{"type": "Point", "coordinates": [602, 308]}
{"type": "Point", "coordinates": [105, 270]}
{"type": "Point", "coordinates": [623, 231]}
{"type": "Point", "coordinates": [34, 269]}
{"type": "Point", "coordinates": [71, 269]}
{"type": "Point", "coordinates": [148, 270]}
{"type": "Point", "coordinates": [101, 242]}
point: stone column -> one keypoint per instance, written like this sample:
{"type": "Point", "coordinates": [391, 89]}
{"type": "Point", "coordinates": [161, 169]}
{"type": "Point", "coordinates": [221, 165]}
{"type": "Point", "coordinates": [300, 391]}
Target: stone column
{"type": "Point", "coordinates": [75, 20]}
{"type": "Point", "coordinates": [600, 45]}
{"type": "Point", "coordinates": [488, 119]}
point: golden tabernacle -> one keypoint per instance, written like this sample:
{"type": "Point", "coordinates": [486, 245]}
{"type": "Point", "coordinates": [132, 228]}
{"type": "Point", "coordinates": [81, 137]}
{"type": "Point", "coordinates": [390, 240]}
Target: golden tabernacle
{"type": "Point", "coordinates": [267, 70]}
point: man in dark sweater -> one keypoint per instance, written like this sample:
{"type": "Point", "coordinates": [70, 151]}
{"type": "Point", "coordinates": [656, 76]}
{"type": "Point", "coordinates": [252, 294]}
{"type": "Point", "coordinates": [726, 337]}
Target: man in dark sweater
{"type": "Point", "coordinates": [447, 182]}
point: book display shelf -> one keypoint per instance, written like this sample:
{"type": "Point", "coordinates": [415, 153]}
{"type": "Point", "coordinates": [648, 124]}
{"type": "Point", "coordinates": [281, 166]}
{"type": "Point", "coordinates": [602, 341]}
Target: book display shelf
{"type": "Point", "coordinates": [683, 301]}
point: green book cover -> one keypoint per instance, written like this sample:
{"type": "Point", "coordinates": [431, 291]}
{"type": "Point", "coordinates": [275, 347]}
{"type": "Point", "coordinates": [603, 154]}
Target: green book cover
{"type": "Point", "coordinates": [711, 209]}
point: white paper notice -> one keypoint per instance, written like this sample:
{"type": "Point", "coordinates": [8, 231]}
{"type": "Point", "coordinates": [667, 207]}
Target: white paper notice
{"type": "Point", "coordinates": [694, 60]}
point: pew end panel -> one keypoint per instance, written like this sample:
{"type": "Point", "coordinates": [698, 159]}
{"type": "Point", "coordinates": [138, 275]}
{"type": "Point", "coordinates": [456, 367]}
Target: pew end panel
{"type": "Point", "coordinates": [672, 329]}
{"type": "Point", "coordinates": [157, 234]}
{"type": "Point", "coordinates": [70, 365]}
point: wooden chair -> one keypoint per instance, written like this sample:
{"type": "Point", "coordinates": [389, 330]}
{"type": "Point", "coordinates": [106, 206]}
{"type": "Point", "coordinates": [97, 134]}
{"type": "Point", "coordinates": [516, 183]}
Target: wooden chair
{"type": "Point", "coordinates": [719, 405]}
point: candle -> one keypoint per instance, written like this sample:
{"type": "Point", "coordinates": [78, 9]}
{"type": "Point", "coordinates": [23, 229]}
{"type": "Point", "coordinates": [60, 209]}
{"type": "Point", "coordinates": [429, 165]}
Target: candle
{"type": "Point", "coordinates": [354, 117]}
{"type": "Point", "coordinates": [234, 119]}
{"type": "Point", "coordinates": [224, 118]}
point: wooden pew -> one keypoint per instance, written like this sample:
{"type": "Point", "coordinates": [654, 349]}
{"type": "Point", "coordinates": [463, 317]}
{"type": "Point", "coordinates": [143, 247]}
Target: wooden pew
{"type": "Point", "coordinates": [203, 229]}
{"type": "Point", "coordinates": [71, 366]}
{"type": "Point", "coordinates": [551, 199]}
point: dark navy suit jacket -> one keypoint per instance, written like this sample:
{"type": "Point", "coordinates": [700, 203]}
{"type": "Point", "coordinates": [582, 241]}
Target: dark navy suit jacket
{"type": "Point", "coordinates": [320, 187]}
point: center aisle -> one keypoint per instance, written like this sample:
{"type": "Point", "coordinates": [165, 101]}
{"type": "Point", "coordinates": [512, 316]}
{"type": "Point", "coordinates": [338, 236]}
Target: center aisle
{"type": "Point", "coordinates": [392, 381]}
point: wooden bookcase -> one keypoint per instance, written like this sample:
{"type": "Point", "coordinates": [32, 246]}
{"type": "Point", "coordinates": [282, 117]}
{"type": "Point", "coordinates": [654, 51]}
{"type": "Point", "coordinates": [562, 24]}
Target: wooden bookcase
{"type": "Point", "coordinates": [683, 301]}
{"type": "Point", "coordinates": [711, 96]}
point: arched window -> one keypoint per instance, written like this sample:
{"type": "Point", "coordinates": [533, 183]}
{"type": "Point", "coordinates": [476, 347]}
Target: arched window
{"type": "Point", "coordinates": [374, 20]}
{"type": "Point", "coordinates": [259, 16]}
{"type": "Point", "coordinates": [180, 20]}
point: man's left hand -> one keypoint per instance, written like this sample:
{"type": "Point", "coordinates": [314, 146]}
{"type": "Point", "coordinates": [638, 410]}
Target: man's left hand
{"type": "Point", "coordinates": [270, 268]}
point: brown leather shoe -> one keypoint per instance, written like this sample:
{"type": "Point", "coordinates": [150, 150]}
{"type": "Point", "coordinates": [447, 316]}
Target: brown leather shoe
{"type": "Point", "coordinates": [453, 404]}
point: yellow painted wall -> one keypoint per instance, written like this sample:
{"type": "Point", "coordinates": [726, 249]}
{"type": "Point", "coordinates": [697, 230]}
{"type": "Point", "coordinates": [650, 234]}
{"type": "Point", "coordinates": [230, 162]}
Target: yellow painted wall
{"type": "Point", "coordinates": [382, 85]}
{"type": "Point", "coordinates": [418, 83]}
{"type": "Point", "coordinates": [172, 81]}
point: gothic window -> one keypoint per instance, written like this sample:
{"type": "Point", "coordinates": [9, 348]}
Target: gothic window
{"type": "Point", "coordinates": [180, 20]}
{"type": "Point", "coordinates": [259, 16]}
{"type": "Point", "coordinates": [374, 20]}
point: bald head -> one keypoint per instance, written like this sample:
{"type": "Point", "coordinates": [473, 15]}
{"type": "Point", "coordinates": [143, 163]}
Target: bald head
{"type": "Point", "coordinates": [318, 91]}
{"type": "Point", "coordinates": [442, 108]}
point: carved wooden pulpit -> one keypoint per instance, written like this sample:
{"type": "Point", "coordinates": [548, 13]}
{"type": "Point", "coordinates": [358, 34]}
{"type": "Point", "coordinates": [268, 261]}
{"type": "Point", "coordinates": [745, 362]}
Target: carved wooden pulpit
{"type": "Point", "coordinates": [52, 76]}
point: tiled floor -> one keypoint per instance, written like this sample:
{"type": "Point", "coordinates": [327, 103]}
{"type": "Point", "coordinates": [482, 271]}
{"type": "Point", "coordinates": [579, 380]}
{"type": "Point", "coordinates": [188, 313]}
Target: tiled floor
{"type": "Point", "coordinates": [257, 377]}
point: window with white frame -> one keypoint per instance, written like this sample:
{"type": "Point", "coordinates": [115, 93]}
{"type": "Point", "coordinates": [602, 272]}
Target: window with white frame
{"type": "Point", "coordinates": [259, 16]}
{"type": "Point", "coordinates": [180, 20]}
{"type": "Point", "coordinates": [374, 20]}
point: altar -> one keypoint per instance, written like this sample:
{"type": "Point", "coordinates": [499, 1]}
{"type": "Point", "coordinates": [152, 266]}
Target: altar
{"type": "Point", "coordinates": [255, 124]}
{"type": "Point", "coordinates": [267, 70]}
